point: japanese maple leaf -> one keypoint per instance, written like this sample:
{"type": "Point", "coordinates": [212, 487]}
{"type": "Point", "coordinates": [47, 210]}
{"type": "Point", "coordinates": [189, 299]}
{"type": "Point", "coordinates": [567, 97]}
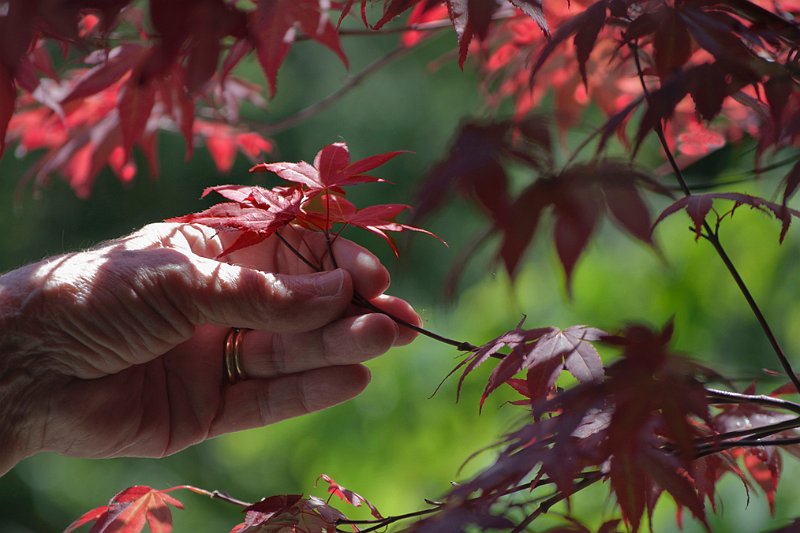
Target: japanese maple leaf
{"type": "Point", "coordinates": [512, 339]}
{"type": "Point", "coordinates": [471, 19]}
{"type": "Point", "coordinates": [764, 463]}
{"type": "Point", "coordinates": [545, 356]}
{"type": "Point", "coordinates": [330, 171]}
{"type": "Point", "coordinates": [128, 511]}
{"type": "Point", "coordinates": [650, 384]}
{"type": "Point", "coordinates": [578, 196]}
{"type": "Point", "coordinates": [257, 212]}
{"type": "Point", "coordinates": [698, 206]}
{"type": "Point", "coordinates": [641, 471]}
{"type": "Point", "coordinates": [323, 212]}
{"type": "Point", "coordinates": [474, 164]}
{"type": "Point", "coordinates": [346, 495]}
{"type": "Point", "coordinates": [706, 471]}
{"type": "Point", "coordinates": [274, 26]}
{"type": "Point", "coordinates": [289, 514]}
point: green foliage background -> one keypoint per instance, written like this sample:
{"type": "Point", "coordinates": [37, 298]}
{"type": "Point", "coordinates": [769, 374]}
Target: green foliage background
{"type": "Point", "coordinates": [394, 444]}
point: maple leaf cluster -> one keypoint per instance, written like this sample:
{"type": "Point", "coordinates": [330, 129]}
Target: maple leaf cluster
{"type": "Point", "coordinates": [315, 200]}
{"type": "Point", "coordinates": [121, 96]}
{"type": "Point", "coordinates": [697, 73]}
{"type": "Point", "coordinates": [645, 426]}
{"type": "Point", "coordinates": [706, 73]}
{"type": "Point", "coordinates": [129, 510]}
{"type": "Point", "coordinates": [578, 196]}
{"type": "Point", "coordinates": [132, 508]}
{"type": "Point", "coordinates": [701, 60]}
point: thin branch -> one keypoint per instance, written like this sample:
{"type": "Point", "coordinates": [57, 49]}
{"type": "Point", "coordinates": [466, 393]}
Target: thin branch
{"type": "Point", "coordinates": [380, 524]}
{"type": "Point", "coordinates": [756, 432]}
{"type": "Point", "coordinates": [360, 301]}
{"type": "Point", "coordinates": [548, 503]}
{"type": "Point", "coordinates": [462, 346]}
{"type": "Point", "coordinates": [748, 443]}
{"type": "Point", "coordinates": [746, 176]}
{"type": "Point", "coordinates": [297, 253]}
{"type": "Point", "coordinates": [321, 105]}
{"type": "Point", "coordinates": [760, 399]}
{"type": "Point", "coordinates": [503, 14]}
{"type": "Point", "coordinates": [712, 237]}
{"type": "Point", "coordinates": [433, 25]}
{"type": "Point", "coordinates": [213, 494]}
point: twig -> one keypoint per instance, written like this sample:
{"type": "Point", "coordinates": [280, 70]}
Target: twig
{"type": "Point", "coordinates": [422, 26]}
{"type": "Point", "coordinates": [548, 503]}
{"type": "Point", "coordinates": [756, 432]}
{"type": "Point", "coordinates": [297, 253]}
{"type": "Point", "coordinates": [712, 237]}
{"type": "Point", "coordinates": [735, 178]}
{"type": "Point", "coordinates": [761, 399]}
{"type": "Point", "coordinates": [213, 494]}
{"type": "Point", "coordinates": [748, 443]}
{"type": "Point", "coordinates": [462, 346]}
{"type": "Point", "coordinates": [321, 105]}
{"type": "Point", "coordinates": [380, 524]}
{"type": "Point", "coordinates": [360, 301]}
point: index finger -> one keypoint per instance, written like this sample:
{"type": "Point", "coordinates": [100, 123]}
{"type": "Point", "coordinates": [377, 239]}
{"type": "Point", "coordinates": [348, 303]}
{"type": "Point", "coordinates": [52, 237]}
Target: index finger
{"type": "Point", "coordinates": [370, 277]}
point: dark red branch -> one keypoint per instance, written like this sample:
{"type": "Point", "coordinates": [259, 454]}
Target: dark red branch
{"type": "Point", "coordinates": [366, 304]}
{"type": "Point", "coordinates": [712, 237]}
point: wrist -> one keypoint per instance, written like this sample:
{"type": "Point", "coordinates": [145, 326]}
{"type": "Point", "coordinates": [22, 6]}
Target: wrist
{"type": "Point", "coordinates": [22, 374]}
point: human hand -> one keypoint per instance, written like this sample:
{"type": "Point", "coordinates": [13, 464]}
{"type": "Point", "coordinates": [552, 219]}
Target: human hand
{"type": "Point", "coordinates": [117, 351]}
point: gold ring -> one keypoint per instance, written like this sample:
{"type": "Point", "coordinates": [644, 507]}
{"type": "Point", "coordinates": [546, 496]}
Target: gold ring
{"type": "Point", "coordinates": [231, 351]}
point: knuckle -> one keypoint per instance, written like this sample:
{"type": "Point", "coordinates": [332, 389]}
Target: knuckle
{"type": "Point", "coordinates": [266, 413]}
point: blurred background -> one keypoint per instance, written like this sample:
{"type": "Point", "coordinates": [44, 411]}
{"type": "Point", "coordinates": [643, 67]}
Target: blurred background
{"type": "Point", "coordinates": [395, 444]}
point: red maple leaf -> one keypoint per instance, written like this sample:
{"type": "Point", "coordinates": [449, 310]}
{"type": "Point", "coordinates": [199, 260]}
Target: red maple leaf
{"type": "Point", "coordinates": [347, 495]}
{"type": "Point", "coordinates": [322, 212]}
{"type": "Point", "coordinates": [763, 463]}
{"type": "Point", "coordinates": [544, 353]}
{"type": "Point", "coordinates": [129, 510]}
{"type": "Point", "coordinates": [638, 424]}
{"type": "Point", "coordinates": [330, 171]}
{"type": "Point", "coordinates": [274, 26]}
{"type": "Point", "coordinates": [290, 513]}
{"type": "Point", "coordinates": [257, 212]}
{"type": "Point", "coordinates": [578, 196]}
{"type": "Point", "coordinates": [698, 206]}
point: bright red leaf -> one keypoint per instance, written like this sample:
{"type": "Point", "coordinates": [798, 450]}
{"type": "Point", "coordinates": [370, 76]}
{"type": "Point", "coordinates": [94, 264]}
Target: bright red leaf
{"type": "Point", "coordinates": [275, 24]}
{"type": "Point", "coordinates": [347, 495]}
{"type": "Point", "coordinates": [130, 510]}
{"type": "Point", "coordinates": [256, 212]}
{"type": "Point", "coordinates": [331, 170]}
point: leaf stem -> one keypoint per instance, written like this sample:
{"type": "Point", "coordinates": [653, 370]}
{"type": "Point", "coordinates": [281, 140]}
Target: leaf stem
{"type": "Point", "coordinates": [713, 237]}
{"type": "Point", "coordinates": [360, 301]}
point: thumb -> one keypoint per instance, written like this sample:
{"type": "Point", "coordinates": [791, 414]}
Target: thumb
{"type": "Point", "coordinates": [231, 295]}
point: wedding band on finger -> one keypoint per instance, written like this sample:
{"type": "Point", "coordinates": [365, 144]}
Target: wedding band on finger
{"type": "Point", "coordinates": [231, 355]}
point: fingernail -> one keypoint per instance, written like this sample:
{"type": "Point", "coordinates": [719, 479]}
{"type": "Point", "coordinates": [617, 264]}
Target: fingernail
{"type": "Point", "coordinates": [329, 283]}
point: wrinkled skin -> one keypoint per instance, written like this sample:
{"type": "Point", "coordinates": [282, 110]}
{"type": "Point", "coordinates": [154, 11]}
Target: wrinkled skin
{"type": "Point", "coordinates": [117, 351]}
